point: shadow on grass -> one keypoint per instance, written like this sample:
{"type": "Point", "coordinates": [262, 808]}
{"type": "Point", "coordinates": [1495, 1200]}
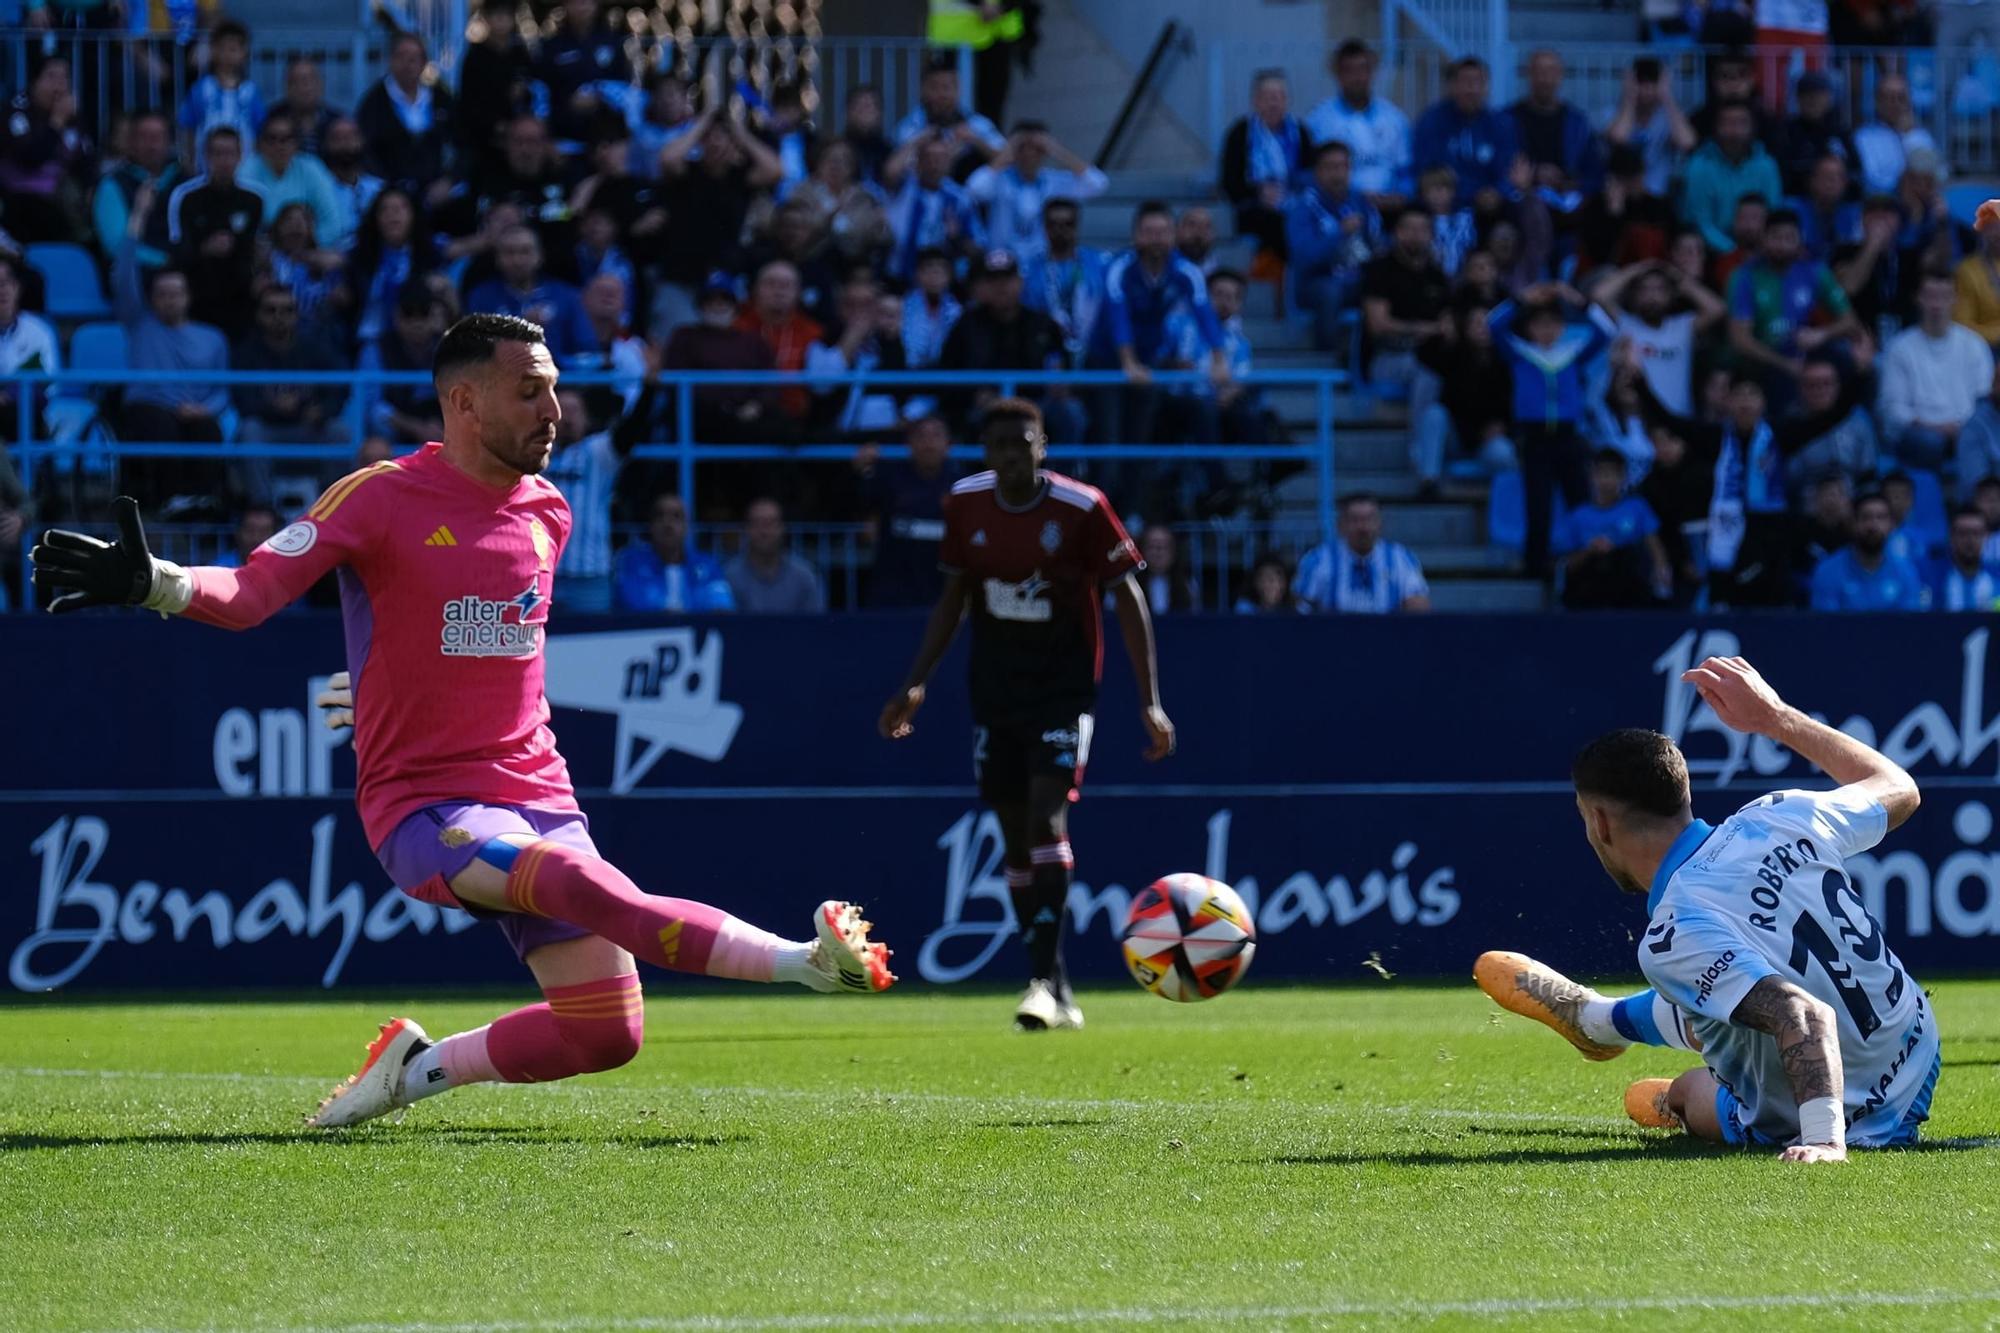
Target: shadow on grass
{"type": "Point", "coordinates": [1631, 1149]}
{"type": "Point", "coordinates": [1035, 1124]}
{"type": "Point", "coordinates": [372, 1137]}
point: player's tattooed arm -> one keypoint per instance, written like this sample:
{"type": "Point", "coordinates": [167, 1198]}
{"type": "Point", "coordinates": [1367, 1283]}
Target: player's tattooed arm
{"type": "Point", "coordinates": [1809, 1048]}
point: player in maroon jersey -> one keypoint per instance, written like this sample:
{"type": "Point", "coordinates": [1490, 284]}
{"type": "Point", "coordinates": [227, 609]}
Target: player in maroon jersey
{"type": "Point", "coordinates": [1027, 553]}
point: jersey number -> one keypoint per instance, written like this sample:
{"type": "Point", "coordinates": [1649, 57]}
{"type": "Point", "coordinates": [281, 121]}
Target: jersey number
{"type": "Point", "coordinates": [1810, 944]}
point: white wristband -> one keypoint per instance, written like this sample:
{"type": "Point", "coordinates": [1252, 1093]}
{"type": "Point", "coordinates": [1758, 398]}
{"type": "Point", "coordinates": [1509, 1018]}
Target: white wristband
{"type": "Point", "coordinates": [1821, 1121]}
{"type": "Point", "coordinates": [173, 588]}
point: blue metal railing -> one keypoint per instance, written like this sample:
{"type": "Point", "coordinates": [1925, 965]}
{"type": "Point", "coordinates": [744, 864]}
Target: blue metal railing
{"type": "Point", "coordinates": [681, 446]}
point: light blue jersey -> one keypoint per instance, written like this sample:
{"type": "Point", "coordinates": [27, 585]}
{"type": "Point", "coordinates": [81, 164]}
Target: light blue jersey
{"type": "Point", "coordinates": [1765, 894]}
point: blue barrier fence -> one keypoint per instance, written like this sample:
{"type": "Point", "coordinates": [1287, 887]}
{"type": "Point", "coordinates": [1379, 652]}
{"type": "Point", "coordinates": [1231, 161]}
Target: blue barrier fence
{"type": "Point", "coordinates": [1386, 789]}
{"type": "Point", "coordinates": [89, 447]}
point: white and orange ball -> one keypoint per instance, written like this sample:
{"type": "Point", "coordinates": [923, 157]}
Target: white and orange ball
{"type": "Point", "coordinates": [1188, 937]}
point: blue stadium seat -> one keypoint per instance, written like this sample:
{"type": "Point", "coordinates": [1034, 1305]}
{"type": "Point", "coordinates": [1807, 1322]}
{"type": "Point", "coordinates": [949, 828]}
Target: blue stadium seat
{"type": "Point", "coordinates": [1507, 512]}
{"type": "Point", "coordinates": [75, 291]}
{"type": "Point", "coordinates": [1963, 198]}
{"type": "Point", "coordinates": [1928, 515]}
{"type": "Point", "coordinates": [99, 346]}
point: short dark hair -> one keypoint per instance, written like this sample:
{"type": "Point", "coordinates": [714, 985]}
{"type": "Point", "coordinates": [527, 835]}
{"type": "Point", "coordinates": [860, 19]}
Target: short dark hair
{"type": "Point", "coordinates": [1464, 63]}
{"type": "Point", "coordinates": [1058, 204]}
{"type": "Point", "coordinates": [1351, 48]}
{"type": "Point", "coordinates": [1609, 458]}
{"type": "Point", "coordinates": [1031, 127]}
{"type": "Point", "coordinates": [1896, 477]}
{"type": "Point", "coordinates": [1228, 275]}
{"type": "Point", "coordinates": [1635, 767]}
{"type": "Point", "coordinates": [1969, 511]}
{"type": "Point", "coordinates": [229, 28]}
{"type": "Point", "coordinates": [1755, 199]}
{"type": "Point", "coordinates": [1353, 498]}
{"type": "Point", "coordinates": [222, 132]}
{"type": "Point", "coordinates": [1782, 217]}
{"type": "Point", "coordinates": [1320, 150]}
{"type": "Point", "coordinates": [473, 341]}
{"type": "Point", "coordinates": [941, 62]}
{"type": "Point", "coordinates": [1150, 208]}
{"type": "Point", "coordinates": [1986, 483]}
{"type": "Point", "coordinates": [1872, 498]}
{"type": "Point", "coordinates": [1010, 420]}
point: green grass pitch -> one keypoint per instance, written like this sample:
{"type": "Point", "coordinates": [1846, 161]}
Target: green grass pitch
{"type": "Point", "coordinates": [1394, 1155]}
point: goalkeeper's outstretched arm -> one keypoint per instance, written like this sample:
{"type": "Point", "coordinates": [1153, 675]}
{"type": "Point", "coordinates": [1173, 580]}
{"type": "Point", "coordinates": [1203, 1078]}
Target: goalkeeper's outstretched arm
{"type": "Point", "coordinates": [79, 571]}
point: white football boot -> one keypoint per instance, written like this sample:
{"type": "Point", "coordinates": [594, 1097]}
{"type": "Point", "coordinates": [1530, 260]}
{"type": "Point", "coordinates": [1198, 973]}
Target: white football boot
{"type": "Point", "coordinates": [373, 1089]}
{"type": "Point", "coordinates": [1043, 1009]}
{"type": "Point", "coordinates": [844, 956]}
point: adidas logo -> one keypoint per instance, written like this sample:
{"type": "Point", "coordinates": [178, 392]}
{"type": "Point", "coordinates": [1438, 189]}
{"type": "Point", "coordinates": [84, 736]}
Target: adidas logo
{"type": "Point", "coordinates": [442, 537]}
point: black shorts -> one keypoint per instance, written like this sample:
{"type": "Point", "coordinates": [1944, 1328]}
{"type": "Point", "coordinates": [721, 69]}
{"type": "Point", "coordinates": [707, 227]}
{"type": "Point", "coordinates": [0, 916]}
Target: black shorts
{"type": "Point", "coordinates": [1007, 756]}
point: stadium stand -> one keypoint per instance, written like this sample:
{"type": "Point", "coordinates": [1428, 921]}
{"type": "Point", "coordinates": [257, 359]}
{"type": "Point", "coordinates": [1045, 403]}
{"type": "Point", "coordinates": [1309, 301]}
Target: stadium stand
{"type": "Point", "coordinates": [1450, 317]}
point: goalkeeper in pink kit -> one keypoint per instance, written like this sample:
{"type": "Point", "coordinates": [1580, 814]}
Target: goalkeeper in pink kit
{"type": "Point", "coordinates": [446, 559]}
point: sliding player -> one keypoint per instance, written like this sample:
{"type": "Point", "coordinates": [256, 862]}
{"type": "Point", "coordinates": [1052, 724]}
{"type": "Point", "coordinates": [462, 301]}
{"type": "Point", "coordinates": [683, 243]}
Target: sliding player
{"type": "Point", "coordinates": [446, 560]}
{"type": "Point", "coordinates": [1027, 553]}
{"type": "Point", "coordinates": [1760, 952]}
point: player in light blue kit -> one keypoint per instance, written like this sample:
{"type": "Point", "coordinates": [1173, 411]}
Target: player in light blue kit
{"type": "Point", "coordinates": [1760, 952]}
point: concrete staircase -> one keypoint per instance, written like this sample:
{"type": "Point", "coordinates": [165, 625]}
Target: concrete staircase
{"type": "Point", "coordinates": [1371, 438]}
{"type": "Point", "coordinates": [1076, 88]}
{"type": "Point", "coordinates": [1569, 23]}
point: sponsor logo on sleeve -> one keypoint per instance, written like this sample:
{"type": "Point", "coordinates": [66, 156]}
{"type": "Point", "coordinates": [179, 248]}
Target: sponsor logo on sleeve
{"type": "Point", "coordinates": [1705, 983]}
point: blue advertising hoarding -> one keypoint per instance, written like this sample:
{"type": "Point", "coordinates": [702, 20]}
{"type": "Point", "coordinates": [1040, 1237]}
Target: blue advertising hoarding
{"type": "Point", "coordinates": [1385, 792]}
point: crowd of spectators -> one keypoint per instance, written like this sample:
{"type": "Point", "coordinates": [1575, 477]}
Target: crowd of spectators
{"type": "Point", "coordinates": [1704, 340]}
{"type": "Point", "coordinates": [1717, 346]}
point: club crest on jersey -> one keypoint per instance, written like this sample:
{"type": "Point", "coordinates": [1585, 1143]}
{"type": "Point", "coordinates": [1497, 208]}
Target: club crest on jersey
{"type": "Point", "coordinates": [1019, 601]}
{"type": "Point", "coordinates": [1051, 536]}
{"type": "Point", "coordinates": [476, 627]}
{"type": "Point", "coordinates": [544, 544]}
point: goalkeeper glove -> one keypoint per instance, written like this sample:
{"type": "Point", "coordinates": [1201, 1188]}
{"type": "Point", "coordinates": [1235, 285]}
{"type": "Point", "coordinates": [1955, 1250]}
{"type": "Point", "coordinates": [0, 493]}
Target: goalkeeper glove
{"type": "Point", "coordinates": [87, 572]}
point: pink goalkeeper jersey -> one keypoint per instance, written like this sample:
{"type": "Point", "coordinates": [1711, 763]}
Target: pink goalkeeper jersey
{"type": "Point", "coordinates": [444, 588]}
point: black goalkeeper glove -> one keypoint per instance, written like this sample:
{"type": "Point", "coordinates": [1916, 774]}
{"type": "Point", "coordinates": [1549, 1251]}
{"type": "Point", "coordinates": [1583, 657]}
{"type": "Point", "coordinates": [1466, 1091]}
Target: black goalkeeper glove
{"type": "Point", "coordinates": [88, 572]}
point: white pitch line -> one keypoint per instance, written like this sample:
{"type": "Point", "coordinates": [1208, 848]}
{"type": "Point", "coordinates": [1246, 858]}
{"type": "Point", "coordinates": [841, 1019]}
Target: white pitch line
{"type": "Point", "coordinates": [878, 1099]}
{"type": "Point", "coordinates": [1256, 1314]}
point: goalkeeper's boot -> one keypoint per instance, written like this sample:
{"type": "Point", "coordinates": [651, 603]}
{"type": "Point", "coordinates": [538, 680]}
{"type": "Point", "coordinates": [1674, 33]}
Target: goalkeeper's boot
{"type": "Point", "coordinates": [1646, 1103]}
{"type": "Point", "coordinates": [1535, 990]}
{"type": "Point", "coordinates": [843, 957]}
{"type": "Point", "coordinates": [374, 1089]}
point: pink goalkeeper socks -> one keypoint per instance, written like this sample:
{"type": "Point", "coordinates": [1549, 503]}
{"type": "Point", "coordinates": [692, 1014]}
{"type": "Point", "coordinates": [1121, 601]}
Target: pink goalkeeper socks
{"type": "Point", "coordinates": [555, 881]}
{"type": "Point", "coordinates": [580, 1029]}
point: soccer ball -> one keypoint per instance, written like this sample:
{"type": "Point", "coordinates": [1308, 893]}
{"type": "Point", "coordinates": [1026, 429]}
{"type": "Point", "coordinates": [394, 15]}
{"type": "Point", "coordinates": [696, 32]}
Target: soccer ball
{"type": "Point", "coordinates": [1188, 938]}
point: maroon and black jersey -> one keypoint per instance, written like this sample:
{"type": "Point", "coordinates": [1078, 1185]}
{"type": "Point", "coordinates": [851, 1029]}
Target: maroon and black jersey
{"type": "Point", "coordinates": [1035, 575]}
